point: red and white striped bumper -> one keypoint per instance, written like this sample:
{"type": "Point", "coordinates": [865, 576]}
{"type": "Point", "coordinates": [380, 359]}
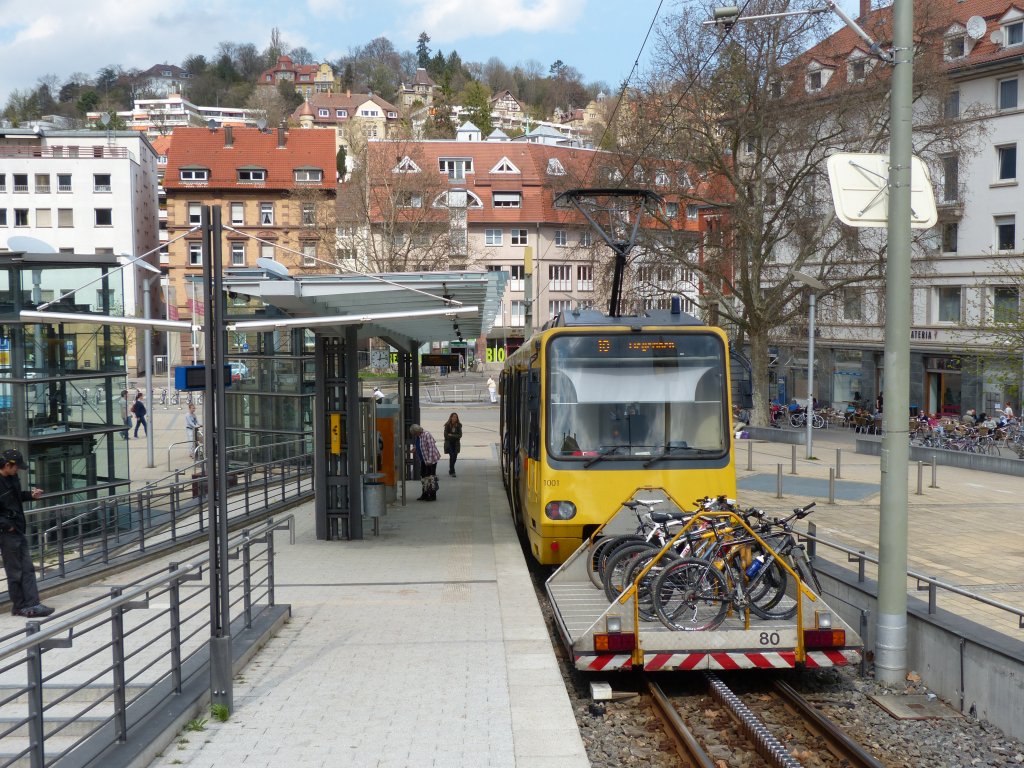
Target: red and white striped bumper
{"type": "Point", "coordinates": [717, 661]}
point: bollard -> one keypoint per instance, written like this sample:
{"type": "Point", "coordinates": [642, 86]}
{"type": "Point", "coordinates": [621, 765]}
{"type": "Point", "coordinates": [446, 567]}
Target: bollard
{"type": "Point", "coordinates": [778, 483]}
{"type": "Point", "coordinates": [935, 474]}
{"type": "Point", "coordinates": [831, 485]}
{"type": "Point", "coordinates": [793, 470]}
{"type": "Point", "coordinates": [920, 478]}
{"type": "Point", "coordinates": [750, 456]}
{"type": "Point", "coordinates": [839, 463]}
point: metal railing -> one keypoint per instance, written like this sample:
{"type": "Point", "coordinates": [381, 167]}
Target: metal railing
{"type": "Point", "coordinates": [924, 583]}
{"type": "Point", "coordinates": [86, 681]}
{"type": "Point", "coordinates": [96, 533]}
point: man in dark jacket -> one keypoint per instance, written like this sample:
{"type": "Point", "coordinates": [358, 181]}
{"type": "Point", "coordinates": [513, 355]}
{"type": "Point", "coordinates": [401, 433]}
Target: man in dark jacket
{"type": "Point", "coordinates": [21, 573]}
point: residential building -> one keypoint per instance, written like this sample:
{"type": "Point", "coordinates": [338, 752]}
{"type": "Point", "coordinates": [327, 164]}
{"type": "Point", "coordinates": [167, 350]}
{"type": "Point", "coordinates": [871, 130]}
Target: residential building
{"type": "Point", "coordinates": [276, 192]}
{"type": "Point", "coordinates": [165, 80]}
{"type": "Point", "coordinates": [308, 79]}
{"type": "Point", "coordinates": [420, 90]}
{"type": "Point", "coordinates": [967, 279]}
{"type": "Point", "coordinates": [354, 117]}
{"type": "Point", "coordinates": [159, 117]}
{"type": "Point", "coordinates": [491, 205]}
{"type": "Point", "coordinates": [82, 192]}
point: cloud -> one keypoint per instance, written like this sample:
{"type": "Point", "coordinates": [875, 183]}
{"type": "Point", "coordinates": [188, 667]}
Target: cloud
{"type": "Point", "coordinates": [451, 20]}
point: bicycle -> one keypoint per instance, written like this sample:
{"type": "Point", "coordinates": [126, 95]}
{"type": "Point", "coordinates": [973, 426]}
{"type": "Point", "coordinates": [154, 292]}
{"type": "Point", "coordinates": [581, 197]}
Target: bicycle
{"type": "Point", "coordinates": [198, 452]}
{"type": "Point", "coordinates": [694, 594]}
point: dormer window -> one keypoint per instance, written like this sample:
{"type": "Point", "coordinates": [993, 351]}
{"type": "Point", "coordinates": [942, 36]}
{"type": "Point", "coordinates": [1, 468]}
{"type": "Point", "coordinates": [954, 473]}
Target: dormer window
{"type": "Point", "coordinates": [814, 81]}
{"type": "Point", "coordinates": [341, 113]}
{"type": "Point", "coordinates": [392, 115]}
{"type": "Point", "coordinates": [323, 113]}
{"type": "Point", "coordinates": [858, 70]}
{"type": "Point", "coordinates": [194, 174]}
{"type": "Point", "coordinates": [252, 174]}
{"type": "Point", "coordinates": [775, 89]}
{"type": "Point", "coordinates": [1013, 33]}
{"type": "Point", "coordinates": [956, 47]}
{"type": "Point", "coordinates": [555, 167]}
{"type": "Point", "coordinates": [308, 175]}
{"type": "Point", "coordinates": [406, 166]}
{"type": "Point", "coordinates": [504, 166]}
{"type": "Point", "coordinates": [661, 179]}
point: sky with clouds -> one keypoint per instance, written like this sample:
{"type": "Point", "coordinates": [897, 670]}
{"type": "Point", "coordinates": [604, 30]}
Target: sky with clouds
{"type": "Point", "coordinates": [601, 38]}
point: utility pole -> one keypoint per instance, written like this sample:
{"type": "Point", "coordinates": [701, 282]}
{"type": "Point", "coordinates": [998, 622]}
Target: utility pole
{"type": "Point", "coordinates": [891, 623]}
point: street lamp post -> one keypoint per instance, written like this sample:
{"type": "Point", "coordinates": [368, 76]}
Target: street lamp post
{"type": "Point", "coordinates": [815, 285]}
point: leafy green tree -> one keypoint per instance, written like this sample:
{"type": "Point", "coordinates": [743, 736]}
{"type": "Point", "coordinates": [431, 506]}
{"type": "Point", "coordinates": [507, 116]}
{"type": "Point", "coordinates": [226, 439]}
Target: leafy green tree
{"type": "Point", "coordinates": [423, 50]}
{"type": "Point", "coordinates": [476, 101]}
{"type": "Point", "coordinates": [88, 101]}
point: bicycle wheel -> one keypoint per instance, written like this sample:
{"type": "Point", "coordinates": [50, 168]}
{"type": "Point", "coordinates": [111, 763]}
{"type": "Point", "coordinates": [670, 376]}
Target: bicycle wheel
{"type": "Point", "coordinates": [599, 553]}
{"type": "Point", "coordinates": [691, 596]}
{"type": "Point", "coordinates": [817, 422]}
{"type": "Point", "coordinates": [766, 592]}
{"type": "Point", "coordinates": [199, 454]}
{"type": "Point", "coordinates": [614, 577]}
{"type": "Point", "coordinates": [645, 589]}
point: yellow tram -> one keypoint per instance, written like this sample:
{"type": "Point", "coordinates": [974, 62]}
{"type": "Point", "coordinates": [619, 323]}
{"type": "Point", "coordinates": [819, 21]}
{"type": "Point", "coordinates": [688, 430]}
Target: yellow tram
{"type": "Point", "coordinates": [595, 408]}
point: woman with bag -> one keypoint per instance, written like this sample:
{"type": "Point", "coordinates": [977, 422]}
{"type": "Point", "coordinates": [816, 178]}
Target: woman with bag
{"type": "Point", "coordinates": [428, 456]}
{"type": "Point", "coordinates": [452, 440]}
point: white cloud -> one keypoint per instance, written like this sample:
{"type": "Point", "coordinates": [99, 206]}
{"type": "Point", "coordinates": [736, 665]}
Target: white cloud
{"type": "Point", "coordinates": [452, 20]}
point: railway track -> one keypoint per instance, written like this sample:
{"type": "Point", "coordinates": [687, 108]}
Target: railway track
{"type": "Point", "coordinates": [810, 737]}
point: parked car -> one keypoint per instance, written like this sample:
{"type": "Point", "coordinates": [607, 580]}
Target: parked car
{"type": "Point", "coordinates": [239, 371]}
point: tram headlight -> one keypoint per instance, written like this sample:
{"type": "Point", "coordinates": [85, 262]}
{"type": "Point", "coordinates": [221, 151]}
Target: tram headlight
{"type": "Point", "coordinates": [560, 510]}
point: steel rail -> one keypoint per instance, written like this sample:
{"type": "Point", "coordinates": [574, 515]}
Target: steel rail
{"type": "Point", "coordinates": [675, 726]}
{"type": "Point", "coordinates": [767, 746]}
{"type": "Point", "coordinates": [839, 742]}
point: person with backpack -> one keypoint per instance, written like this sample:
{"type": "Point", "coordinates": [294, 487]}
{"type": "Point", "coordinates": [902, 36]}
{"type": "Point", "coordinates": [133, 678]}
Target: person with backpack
{"type": "Point", "coordinates": [139, 411]}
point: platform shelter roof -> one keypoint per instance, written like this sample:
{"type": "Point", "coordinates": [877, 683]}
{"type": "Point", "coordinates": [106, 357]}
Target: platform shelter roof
{"type": "Point", "coordinates": [405, 308]}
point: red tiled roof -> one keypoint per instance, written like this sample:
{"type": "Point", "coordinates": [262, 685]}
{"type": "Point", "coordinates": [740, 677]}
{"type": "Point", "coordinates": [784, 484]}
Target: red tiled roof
{"type": "Point", "coordinates": [161, 144]}
{"type": "Point", "coordinates": [201, 147]}
{"type": "Point", "coordinates": [350, 102]}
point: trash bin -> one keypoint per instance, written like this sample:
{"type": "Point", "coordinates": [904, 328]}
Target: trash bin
{"type": "Point", "coordinates": [373, 494]}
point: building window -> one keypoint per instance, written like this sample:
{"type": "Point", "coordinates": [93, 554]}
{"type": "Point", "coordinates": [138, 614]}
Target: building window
{"type": "Point", "coordinates": [44, 217]}
{"type": "Point", "coordinates": [518, 237]}
{"type": "Point", "coordinates": [671, 210]}
{"type": "Point", "coordinates": [517, 277]}
{"type": "Point", "coordinates": [309, 176]}
{"type": "Point", "coordinates": [252, 174]}
{"type": "Point", "coordinates": [21, 217]}
{"type": "Point", "coordinates": [3, 182]}
{"type": "Point", "coordinates": [323, 113]}
{"type": "Point", "coordinates": [950, 178]}
{"type": "Point", "coordinates": [409, 200]}
{"type": "Point", "coordinates": [341, 113]}
{"type": "Point", "coordinates": [555, 167]}
{"type": "Point", "coordinates": [558, 307]}
{"type": "Point", "coordinates": [1013, 34]}
{"type": "Point", "coordinates": [104, 217]}
{"type": "Point", "coordinates": [951, 107]}
{"type": "Point", "coordinates": [691, 211]}
{"type": "Point", "coordinates": [561, 238]}
{"type": "Point", "coordinates": [1007, 162]}
{"type": "Point", "coordinates": [586, 239]}
{"type": "Point", "coordinates": [195, 213]}
{"type": "Point", "coordinates": [237, 214]}
{"type": "Point", "coordinates": [493, 236]}
{"type": "Point", "coordinates": [508, 199]}
{"type": "Point", "coordinates": [194, 174]}
{"type": "Point", "coordinates": [518, 314]}
{"type": "Point", "coordinates": [237, 254]}
{"type": "Point", "coordinates": [455, 168]}
{"type": "Point", "coordinates": [559, 277]}
{"type": "Point", "coordinates": [308, 214]}
{"type": "Point", "coordinates": [950, 235]}
{"type": "Point", "coordinates": [42, 183]}
{"type": "Point", "coordinates": [63, 182]}
{"type": "Point", "coordinates": [1005, 305]}
{"type": "Point", "coordinates": [101, 182]}
{"type": "Point", "coordinates": [1008, 93]}
{"type": "Point", "coordinates": [309, 254]}
{"type": "Point", "coordinates": [1006, 233]}
{"type": "Point", "coordinates": [20, 182]}
{"type": "Point", "coordinates": [584, 277]}
{"type": "Point", "coordinates": [853, 304]}
{"type": "Point", "coordinates": [956, 47]}
{"type": "Point", "coordinates": [195, 254]}
{"type": "Point", "coordinates": [814, 81]}
{"type": "Point", "coordinates": [949, 304]}
{"type": "Point", "coordinates": [266, 214]}
{"type": "Point", "coordinates": [267, 251]}
{"type": "Point", "coordinates": [858, 70]}
{"type": "Point", "coordinates": [3, 217]}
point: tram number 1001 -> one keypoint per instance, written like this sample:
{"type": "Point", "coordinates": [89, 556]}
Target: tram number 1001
{"type": "Point", "coordinates": [769, 638]}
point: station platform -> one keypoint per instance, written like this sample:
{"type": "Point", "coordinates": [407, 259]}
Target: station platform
{"type": "Point", "coordinates": [421, 646]}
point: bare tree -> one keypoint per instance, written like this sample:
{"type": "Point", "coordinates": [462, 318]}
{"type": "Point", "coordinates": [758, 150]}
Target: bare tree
{"type": "Point", "coordinates": [750, 114]}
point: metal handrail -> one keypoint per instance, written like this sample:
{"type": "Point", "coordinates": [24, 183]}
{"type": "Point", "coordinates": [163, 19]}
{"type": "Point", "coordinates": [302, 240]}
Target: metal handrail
{"type": "Point", "coordinates": [932, 584]}
{"type": "Point", "coordinates": [48, 630]}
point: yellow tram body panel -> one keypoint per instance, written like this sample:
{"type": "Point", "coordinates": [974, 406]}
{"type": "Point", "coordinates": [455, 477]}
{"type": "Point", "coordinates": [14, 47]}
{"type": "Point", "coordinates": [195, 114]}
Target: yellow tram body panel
{"type": "Point", "coordinates": [597, 409]}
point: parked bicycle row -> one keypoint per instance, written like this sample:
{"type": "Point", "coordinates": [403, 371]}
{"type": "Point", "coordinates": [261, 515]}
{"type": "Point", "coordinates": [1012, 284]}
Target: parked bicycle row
{"type": "Point", "coordinates": [723, 559]}
{"type": "Point", "coordinates": [953, 436]}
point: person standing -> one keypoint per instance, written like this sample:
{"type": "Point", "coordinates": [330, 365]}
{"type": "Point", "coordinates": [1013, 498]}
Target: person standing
{"type": "Point", "coordinates": [1008, 411]}
{"type": "Point", "coordinates": [21, 572]}
{"type": "Point", "coordinates": [126, 415]}
{"type": "Point", "coordinates": [428, 456]}
{"type": "Point", "coordinates": [492, 389]}
{"type": "Point", "coordinates": [139, 409]}
{"type": "Point", "coordinates": [192, 425]}
{"type": "Point", "coordinates": [452, 440]}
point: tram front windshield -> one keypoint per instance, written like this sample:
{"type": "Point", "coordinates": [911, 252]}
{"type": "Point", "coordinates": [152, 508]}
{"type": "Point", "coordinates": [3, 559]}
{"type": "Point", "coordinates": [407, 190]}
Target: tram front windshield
{"type": "Point", "coordinates": [623, 396]}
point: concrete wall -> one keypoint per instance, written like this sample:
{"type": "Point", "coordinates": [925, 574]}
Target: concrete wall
{"type": "Point", "coordinates": [773, 435]}
{"type": "Point", "coordinates": [978, 671]}
{"type": "Point", "coordinates": [1004, 465]}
